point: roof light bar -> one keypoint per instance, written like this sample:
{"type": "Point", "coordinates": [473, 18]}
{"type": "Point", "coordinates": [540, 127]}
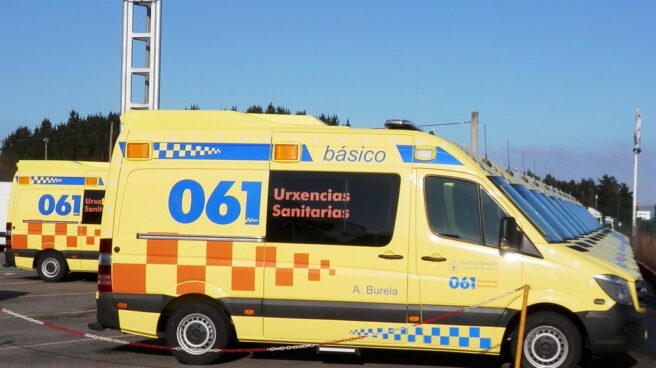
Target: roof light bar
{"type": "Point", "coordinates": [401, 124]}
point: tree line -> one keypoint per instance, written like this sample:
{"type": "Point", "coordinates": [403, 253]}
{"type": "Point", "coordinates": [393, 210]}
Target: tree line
{"type": "Point", "coordinates": [87, 139]}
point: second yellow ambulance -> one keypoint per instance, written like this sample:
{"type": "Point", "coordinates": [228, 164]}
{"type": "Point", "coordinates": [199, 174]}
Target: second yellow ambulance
{"type": "Point", "coordinates": [53, 221]}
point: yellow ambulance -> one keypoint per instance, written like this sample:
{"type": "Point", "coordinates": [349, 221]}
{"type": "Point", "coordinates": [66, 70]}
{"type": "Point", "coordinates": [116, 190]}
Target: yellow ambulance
{"type": "Point", "coordinates": [53, 222]}
{"type": "Point", "coordinates": [222, 226]}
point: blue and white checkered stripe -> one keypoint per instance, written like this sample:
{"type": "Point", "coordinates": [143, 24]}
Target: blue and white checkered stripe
{"type": "Point", "coordinates": [58, 180]}
{"type": "Point", "coordinates": [184, 150]}
{"type": "Point", "coordinates": [463, 337]}
{"type": "Point", "coordinates": [211, 151]}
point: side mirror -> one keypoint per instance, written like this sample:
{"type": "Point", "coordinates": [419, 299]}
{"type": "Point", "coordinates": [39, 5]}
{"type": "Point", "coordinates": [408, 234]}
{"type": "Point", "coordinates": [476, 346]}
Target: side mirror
{"type": "Point", "coordinates": [508, 235]}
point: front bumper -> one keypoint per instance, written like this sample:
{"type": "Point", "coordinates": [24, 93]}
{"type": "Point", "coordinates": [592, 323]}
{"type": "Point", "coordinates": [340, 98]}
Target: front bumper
{"type": "Point", "coordinates": [616, 330]}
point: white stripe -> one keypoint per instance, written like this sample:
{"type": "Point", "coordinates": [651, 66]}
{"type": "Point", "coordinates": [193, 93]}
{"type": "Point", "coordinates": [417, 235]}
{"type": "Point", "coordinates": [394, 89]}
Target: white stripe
{"type": "Point", "coordinates": [60, 342]}
{"type": "Point", "coordinates": [40, 295]}
{"type": "Point", "coordinates": [50, 314]}
{"type": "Point", "coordinates": [21, 283]}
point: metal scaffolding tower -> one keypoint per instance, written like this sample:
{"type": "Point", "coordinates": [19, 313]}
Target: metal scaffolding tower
{"type": "Point", "coordinates": [138, 39]}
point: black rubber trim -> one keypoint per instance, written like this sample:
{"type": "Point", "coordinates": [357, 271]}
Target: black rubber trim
{"type": "Point", "coordinates": [76, 254]}
{"type": "Point", "coordinates": [106, 313]}
{"type": "Point", "coordinates": [10, 261]}
{"type": "Point", "coordinates": [344, 311]}
{"type": "Point", "coordinates": [153, 303]}
{"type": "Point", "coordinates": [23, 252]}
{"type": "Point", "coordinates": [327, 310]}
{"type": "Point", "coordinates": [491, 317]}
{"type": "Point", "coordinates": [616, 330]}
{"type": "Point", "coordinates": [237, 306]}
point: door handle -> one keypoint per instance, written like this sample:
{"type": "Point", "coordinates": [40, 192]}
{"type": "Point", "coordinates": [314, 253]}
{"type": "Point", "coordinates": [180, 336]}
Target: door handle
{"type": "Point", "coordinates": [390, 256]}
{"type": "Point", "coordinates": [433, 259]}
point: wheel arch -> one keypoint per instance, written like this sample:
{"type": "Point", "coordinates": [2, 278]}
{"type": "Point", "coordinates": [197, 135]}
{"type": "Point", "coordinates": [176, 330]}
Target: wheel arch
{"type": "Point", "coordinates": [543, 307]}
{"type": "Point", "coordinates": [176, 303]}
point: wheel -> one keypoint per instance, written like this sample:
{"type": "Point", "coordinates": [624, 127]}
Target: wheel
{"type": "Point", "coordinates": [550, 341]}
{"type": "Point", "coordinates": [196, 331]}
{"type": "Point", "coordinates": [51, 267]}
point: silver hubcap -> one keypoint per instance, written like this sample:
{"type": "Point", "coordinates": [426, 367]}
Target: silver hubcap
{"type": "Point", "coordinates": [196, 333]}
{"type": "Point", "coordinates": [546, 347]}
{"type": "Point", "coordinates": [50, 267]}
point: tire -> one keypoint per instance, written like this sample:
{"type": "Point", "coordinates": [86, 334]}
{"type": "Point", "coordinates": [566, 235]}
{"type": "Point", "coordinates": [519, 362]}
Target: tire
{"type": "Point", "coordinates": [51, 267]}
{"type": "Point", "coordinates": [200, 326]}
{"type": "Point", "coordinates": [550, 341]}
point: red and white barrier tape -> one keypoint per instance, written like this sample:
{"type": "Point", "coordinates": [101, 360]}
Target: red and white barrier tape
{"type": "Point", "coordinates": [248, 350]}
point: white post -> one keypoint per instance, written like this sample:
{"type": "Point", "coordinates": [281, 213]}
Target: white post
{"type": "Point", "coordinates": [634, 223]}
{"type": "Point", "coordinates": [636, 152]}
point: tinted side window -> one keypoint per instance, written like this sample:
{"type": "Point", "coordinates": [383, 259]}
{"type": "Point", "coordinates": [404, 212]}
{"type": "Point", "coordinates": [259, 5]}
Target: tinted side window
{"type": "Point", "coordinates": [492, 215]}
{"type": "Point", "coordinates": [332, 208]}
{"type": "Point", "coordinates": [452, 206]}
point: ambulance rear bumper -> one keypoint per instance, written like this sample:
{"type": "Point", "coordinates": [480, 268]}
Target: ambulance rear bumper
{"type": "Point", "coordinates": [107, 303]}
{"type": "Point", "coordinates": [106, 313]}
{"type": "Point", "coordinates": [10, 258]}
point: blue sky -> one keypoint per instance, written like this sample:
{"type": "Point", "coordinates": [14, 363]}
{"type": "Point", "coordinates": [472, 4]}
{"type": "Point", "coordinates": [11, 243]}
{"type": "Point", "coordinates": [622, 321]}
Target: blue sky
{"type": "Point", "coordinates": [559, 80]}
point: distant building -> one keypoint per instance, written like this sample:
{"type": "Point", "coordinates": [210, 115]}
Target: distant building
{"type": "Point", "coordinates": [645, 213]}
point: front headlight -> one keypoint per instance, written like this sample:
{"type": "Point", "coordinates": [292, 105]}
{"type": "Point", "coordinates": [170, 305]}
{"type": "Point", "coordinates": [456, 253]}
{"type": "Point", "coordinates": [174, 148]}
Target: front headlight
{"type": "Point", "coordinates": [616, 287]}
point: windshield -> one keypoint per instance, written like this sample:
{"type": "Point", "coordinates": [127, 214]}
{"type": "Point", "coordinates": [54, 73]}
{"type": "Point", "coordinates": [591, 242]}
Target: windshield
{"type": "Point", "coordinates": [527, 209]}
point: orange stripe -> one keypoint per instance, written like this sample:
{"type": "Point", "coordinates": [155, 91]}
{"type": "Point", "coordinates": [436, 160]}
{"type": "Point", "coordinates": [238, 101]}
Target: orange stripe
{"type": "Point", "coordinates": [270, 256]}
{"type": "Point", "coordinates": [191, 288]}
{"type": "Point", "coordinates": [301, 260]}
{"type": "Point", "coordinates": [260, 256]}
{"type": "Point", "coordinates": [314, 274]}
{"type": "Point", "coordinates": [162, 251]}
{"type": "Point", "coordinates": [34, 228]}
{"type": "Point", "coordinates": [129, 278]}
{"type": "Point", "coordinates": [191, 279]}
{"type": "Point", "coordinates": [61, 229]}
{"type": "Point", "coordinates": [71, 241]}
{"type": "Point", "coordinates": [243, 278]}
{"type": "Point", "coordinates": [47, 241]}
{"type": "Point", "coordinates": [19, 241]}
{"type": "Point", "coordinates": [284, 277]}
{"type": "Point", "coordinates": [219, 253]}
